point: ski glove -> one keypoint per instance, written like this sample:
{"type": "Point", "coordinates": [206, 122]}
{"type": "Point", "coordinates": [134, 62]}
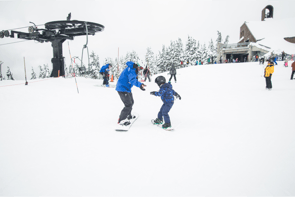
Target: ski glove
{"type": "Point", "coordinates": [177, 96]}
{"type": "Point", "coordinates": [142, 87]}
{"type": "Point", "coordinates": [153, 93]}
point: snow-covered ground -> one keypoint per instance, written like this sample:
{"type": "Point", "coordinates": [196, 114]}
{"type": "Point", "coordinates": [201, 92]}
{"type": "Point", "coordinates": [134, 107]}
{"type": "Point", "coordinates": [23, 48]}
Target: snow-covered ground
{"type": "Point", "coordinates": [231, 137]}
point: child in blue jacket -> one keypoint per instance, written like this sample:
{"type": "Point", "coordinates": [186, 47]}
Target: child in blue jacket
{"type": "Point", "coordinates": [167, 95]}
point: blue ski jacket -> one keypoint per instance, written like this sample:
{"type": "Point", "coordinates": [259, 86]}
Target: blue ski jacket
{"type": "Point", "coordinates": [166, 93]}
{"type": "Point", "coordinates": [127, 79]}
{"type": "Point", "coordinates": [102, 70]}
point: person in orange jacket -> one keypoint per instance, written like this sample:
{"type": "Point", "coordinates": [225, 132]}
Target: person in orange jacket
{"type": "Point", "coordinates": [268, 71]}
{"type": "Point", "coordinates": [293, 70]}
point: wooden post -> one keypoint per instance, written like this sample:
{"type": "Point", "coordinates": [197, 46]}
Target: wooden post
{"type": "Point", "coordinates": [26, 83]}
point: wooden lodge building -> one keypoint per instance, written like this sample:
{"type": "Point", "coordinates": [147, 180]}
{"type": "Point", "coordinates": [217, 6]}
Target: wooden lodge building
{"type": "Point", "coordinates": [259, 38]}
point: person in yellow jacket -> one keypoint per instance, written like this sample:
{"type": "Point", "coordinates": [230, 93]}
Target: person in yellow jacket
{"type": "Point", "coordinates": [268, 71]}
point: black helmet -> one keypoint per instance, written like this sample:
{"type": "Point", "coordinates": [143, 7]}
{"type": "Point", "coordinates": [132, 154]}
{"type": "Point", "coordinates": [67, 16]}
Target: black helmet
{"type": "Point", "coordinates": [160, 80]}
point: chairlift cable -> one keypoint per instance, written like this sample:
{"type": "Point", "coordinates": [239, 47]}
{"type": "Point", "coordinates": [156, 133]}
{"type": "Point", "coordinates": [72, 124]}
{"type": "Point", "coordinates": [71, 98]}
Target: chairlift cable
{"type": "Point", "coordinates": [13, 42]}
{"type": "Point", "coordinates": [23, 27]}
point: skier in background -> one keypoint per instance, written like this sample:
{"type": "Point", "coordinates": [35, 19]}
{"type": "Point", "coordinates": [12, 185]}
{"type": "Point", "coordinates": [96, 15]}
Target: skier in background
{"type": "Point", "coordinates": [147, 73]}
{"type": "Point", "coordinates": [167, 95]}
{"type": "Point", "coordinates": [283, 55]}
{"type": "Point", "coordinates": [105, 73]}
{"type": "Point", "coordinates": [286, 62]}
{"type": "Point", "coordinates": [173, 73]}
{"type": "Point", "coordinates": [126, 81]}
{"type": "Point", "coordinates": [268, 71]}
{"type": "Point", "coordinates": [261, 60]}
{"type": "Point", "coordinates": [275, 60]}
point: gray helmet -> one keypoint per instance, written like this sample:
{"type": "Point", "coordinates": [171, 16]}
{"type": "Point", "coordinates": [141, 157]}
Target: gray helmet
{"type": "Point", "coordinates": [160, 80]}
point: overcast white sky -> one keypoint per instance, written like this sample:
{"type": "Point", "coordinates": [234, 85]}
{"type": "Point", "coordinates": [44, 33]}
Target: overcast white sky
{"type": "Point", "coordinates": [129, 25]}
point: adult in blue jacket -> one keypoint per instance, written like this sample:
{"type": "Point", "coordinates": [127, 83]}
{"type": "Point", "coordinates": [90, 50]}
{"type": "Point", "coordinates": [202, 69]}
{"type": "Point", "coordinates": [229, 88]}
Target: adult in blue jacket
{"type": "Point", "coordinates": [105, 73]}
{"type": "Point", "coordinates": [126, 81]}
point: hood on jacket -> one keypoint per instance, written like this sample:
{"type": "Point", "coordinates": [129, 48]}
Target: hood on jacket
{"type": "Point", "coordinates": [130, 64]}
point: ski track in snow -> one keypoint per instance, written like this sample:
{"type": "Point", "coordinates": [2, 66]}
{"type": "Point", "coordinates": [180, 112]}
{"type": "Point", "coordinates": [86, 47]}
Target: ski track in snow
{"type": "Point", "coordinates": [231, 137]}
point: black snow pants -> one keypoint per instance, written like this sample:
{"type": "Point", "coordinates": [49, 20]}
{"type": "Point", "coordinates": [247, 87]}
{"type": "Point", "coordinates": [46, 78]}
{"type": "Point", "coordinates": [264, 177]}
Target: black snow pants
{"type": "Point", "coordinates": [172, 76]}
{"type": "Point", "coordinates": [147, 76]}
{"type": "Point", "coordinates": [128, 101]}
{"type": "Point", "coordinates": [268, 82]}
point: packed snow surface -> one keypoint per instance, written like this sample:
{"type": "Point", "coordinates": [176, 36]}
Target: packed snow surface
{"type": "Point", "coordinates": [231, 137]}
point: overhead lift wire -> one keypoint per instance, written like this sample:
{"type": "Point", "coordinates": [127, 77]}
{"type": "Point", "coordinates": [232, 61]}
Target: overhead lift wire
{"type": "Point", "coordinates": [15, 29]}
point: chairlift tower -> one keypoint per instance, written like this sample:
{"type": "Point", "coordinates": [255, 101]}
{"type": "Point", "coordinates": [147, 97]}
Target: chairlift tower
{"type": "Point", "coordinates": [57, 32]}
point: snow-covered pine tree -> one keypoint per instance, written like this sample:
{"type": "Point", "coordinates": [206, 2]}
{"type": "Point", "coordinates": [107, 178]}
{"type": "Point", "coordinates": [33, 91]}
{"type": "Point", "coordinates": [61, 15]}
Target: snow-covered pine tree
{"type": "Point", "coordinates": [170, 55]}
{"type": "Point", "coordinates": [9, 74]}
{"type": "Point", "coordinates": [46, 71]}
{"type": "Point", "coordinates": [71, 71]}
{"type": "Point", "coordinates": [150, 61]}
{"type": "Point", "coordinates": [212, 52]}
{"type": "Point", "coordinates": [178, 52]}
{"type": "Point", "coordinates": [193, 51]}
{"type": "Point", "coordinates": [132, 56]}
{"type": "Point", "coordinates": [66, 71]}
{"type": "Point", "coordinates": [219, 37]}
{"type": "Point", "coordinates": [204, 54]}
{"type": "Point", "coordinates": [162, 62]}
{"type": "Point", "coordinates": [94, 66]}
{"type": "Point", "coordinates": [33, 74]}
{"type": "Point", "coordinates": [186, 55]}
{"type": "Point", "coordinates": [157, 62]}
{"type": "Point", "coordinates": [226, 40]}
{"type": "Point", "coordinates": [120, 67]}
{"type": "Point", "coordinates": [219, 46]}
{"type": "Point", "coordinates": [196, 56]}
{"type": "Point", "coordinates": [116, 69]}
{"type": "Point", "coordinates": [41, 73]}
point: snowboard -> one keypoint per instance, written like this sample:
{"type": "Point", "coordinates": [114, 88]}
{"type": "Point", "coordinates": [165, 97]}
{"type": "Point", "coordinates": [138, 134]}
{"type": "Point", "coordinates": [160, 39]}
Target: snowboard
{"type": "Point", "coordinates": [160, 126]}
{"type": "Point", "coordinates": [126, 128]}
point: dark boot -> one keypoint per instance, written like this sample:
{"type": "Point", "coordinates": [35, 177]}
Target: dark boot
{"type": "Point", "coordinates": [166, 125]}
{"type": "Point", "coordinates": [158, 121]}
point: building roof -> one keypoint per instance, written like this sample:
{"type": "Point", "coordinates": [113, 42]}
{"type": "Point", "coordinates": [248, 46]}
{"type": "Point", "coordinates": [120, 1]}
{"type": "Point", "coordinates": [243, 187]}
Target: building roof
{"type": "Point", "coordinates": [272, 32]}
{"type": "Point", "coordinates": [272, 27]}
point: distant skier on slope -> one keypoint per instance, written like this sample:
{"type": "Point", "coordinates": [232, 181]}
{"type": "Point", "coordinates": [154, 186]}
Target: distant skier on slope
{"type": "Point", "coordinates": [126, 81]}
{"type": "Point", "coordinates": [147, 73]}
{"type": "Point", "coordinates": [268, 71]}
{"type": "Point", "coordinates": [105, 73]}
{"type": "Point", "coordinates": [167, 95]}
{"type": "Point", "coordinates": [173, 73]}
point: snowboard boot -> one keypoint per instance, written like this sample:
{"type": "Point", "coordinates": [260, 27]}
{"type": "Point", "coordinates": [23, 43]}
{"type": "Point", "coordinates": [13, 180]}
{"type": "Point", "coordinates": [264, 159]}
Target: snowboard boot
{"type": "Point", "coordinates": [131, 117]}
{"type": "Point", "coordinates": [125, 122]}
{"type": "Point", "coordinates": [158, 121]}
{"type": "Point", "coordinates": [166, 125]}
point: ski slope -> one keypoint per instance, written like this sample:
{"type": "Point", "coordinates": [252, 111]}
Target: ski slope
{"type": "Point", "coordinates": [231, 137]}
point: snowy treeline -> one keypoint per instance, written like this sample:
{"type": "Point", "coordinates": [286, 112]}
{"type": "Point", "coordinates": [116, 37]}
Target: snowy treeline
{"type": "Point", "coordinates": [182, 55]}
{"type": "Point", "coordinates": [190, 54]}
